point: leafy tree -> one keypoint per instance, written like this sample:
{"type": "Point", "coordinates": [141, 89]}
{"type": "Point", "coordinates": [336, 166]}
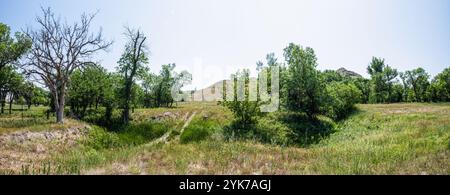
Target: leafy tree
{"type": "Point", "coordinates": [11, 86]}
{"type": "Point", "coordinates": [341, 99]}
{"type": "Point", "coordinates": [16, 88]}
{"type": "Point", "coordinates": [87, 89]}
{"type": "Point", "coordinates": [163, 89]}
{"type": "Point", "coordinates": [397, 94]}
{"type": "Point", "coordinates": [132, 65]}
{"type": "Point", "coordinates": [58, 50]}
{"type": "Point", "coordinates": [180, 80]}
{"type": "Point", "coordinates": [330, 76]}
{"type": "Point", "coordinates": [149, 86]}
{"type": "Point", "coordinates": [440, 86]}
{"type": "Point", "coordinates": [382, 81]}
{"type": "Point", "coordinates": [12, 49]}
{"type": "Point", "coordinates": [302, 83]}
{"type": "Point", "coordinates": [111, 95]}
{"type": "Point", "coordinates": [245, 110]}
{"type": "Point", "coordinates": [417, 81]}
{"type": "Point", "coordinates": [389, 75]}
{"type": "Point", "coordinates": [28, 91]}
{"type": "Point", "coordinates": [364, 85]}
{"type": "Point", "coordinates": [39, 96]}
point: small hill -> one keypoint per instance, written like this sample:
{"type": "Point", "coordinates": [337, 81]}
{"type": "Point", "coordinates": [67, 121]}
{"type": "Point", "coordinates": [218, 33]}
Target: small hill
{"type": "Point", "coordinates": [211, 93]}
{"type": "Point", "coordinates": [344, 72]}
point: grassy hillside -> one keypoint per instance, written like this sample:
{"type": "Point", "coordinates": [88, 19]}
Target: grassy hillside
{"type": "Point", "coordinates": [377, 139]}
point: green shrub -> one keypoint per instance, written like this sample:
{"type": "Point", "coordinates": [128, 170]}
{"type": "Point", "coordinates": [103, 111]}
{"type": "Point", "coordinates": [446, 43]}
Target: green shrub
{"type": "Point", "coordinates": [98, 138]}
{"type": "Point", "coordinates": [198, 130]}
{"type": "Point", "coordinates": [341, 99]}
{"type": "Point", "coordinates": [141, 133]}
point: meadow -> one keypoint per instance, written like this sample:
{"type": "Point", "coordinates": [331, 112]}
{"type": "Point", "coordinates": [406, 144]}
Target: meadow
{"type": "Point", "coordinates": [405, 138]}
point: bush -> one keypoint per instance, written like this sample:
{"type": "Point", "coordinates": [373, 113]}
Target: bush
{"type": "Point", "coordinates": [198, 130]}
{"type": "Point", "coordinates": [341, 99]}
{"type": "Point", "coordinates": [98, 138]}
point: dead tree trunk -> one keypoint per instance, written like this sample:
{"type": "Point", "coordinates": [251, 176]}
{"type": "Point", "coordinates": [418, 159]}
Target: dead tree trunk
{"type": "Point", "coordinates": [58, 49]}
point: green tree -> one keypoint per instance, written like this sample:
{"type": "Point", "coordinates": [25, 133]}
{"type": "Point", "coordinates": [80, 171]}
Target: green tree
{"type": "Point", "coordinates": [132, 65]}
{"type": "Point", "coordinates": [39, 96]}
{"type": "Point", "coordinates": [341, 98]}
{"type": "Point", "coordinates": [302, 83]}
{"type": "Point", "coordinates": [163, 89]}
{"type": "Point", "coordinates": [11, 86]}
{"type": "Point", "coordinates": [12, 49]}
{"type": "Point", "coordinates": [382, 80]}
{"type": "Point", "coordinates": [149, 84]}
{"type": "Point", "coordinates": [389, 75]}
{"type": "Point", "coordinates": [441, 86]}
{"type": "Point", "coordinates": [245, 110]}
{"type": "Point", "coordinates": [28, 91]}
{"type": "Point", "coordinates": [417, 81]}
{"type": "Point", "coordinates": [364, 85]}
{"type": "Point", "coordinates": [87, 89]}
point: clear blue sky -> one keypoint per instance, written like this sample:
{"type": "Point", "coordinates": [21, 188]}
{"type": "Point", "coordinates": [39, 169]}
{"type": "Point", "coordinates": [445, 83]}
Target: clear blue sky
{"type": "Point", "coordinates": [233, 34]}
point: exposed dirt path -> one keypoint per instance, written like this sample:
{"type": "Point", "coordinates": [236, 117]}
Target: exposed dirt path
{"type": "Point", "coordinates": [124, 168]}
{"type": "Point", "coordinates": [164, 138]}
{"type": "Point", "coordinates": [188, 121]}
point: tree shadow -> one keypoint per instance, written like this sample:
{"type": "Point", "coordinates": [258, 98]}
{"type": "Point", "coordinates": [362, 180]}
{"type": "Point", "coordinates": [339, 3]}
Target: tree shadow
{"type": "Point", "coordinates": [350, 113]}
{"type": "Point", "coordinates": [307, 131]}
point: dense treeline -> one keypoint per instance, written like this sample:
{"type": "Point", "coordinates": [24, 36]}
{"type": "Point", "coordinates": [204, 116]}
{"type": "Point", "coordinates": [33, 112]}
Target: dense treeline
{"type": "Point", "coordinates": [58, 57]}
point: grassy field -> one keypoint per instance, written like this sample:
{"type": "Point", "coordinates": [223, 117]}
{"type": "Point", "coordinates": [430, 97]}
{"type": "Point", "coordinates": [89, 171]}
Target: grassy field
{"type": "Point", "coordinates": [376, 139]}
{"type": "Point", "coordinates": [34, 119]}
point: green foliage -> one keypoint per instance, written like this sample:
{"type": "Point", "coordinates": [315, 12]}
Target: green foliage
{"type": "Point", "coordinates": [198, 130]}
{"type": "Point", "coordinates": [15, 88]}
{"type": "Point", "coordinates": [11, 49]}
{"type": "Point", "coordinates": [88, 87]}
{"type": "Point", "coordinates": [245, 110]}
{"type": "Point", "coordinates": [329, 76]}
{"type": "Point", "coordinates": [382, 81]}
{"type": "Point", "coordinates": [132, 135]}
{"type": "Point", "coordinates": [160, 90]}
{"type": "Point", "coordinates": [440, 87]}
{"type": "Point", "coordinates": [397, 94]}
{"type": "Point", "coordinates": [341, 99]}
{"type": "Point", "coordinates": [132, 66]}
{"type": "Point", "coordinates": [306, 131]}
{"type": "Point", "coordinates": [136, 134]}
{"type": "Point", "coordinates": [270, 130]}
{"type": "Point", "coordinates": [303, 89]}
{"type": "Point", "coordinates": [416, 82]}
{"type": "Point", "coordinates": [98, 138]}
{"type": "Point", "coordinates": [364, 86]}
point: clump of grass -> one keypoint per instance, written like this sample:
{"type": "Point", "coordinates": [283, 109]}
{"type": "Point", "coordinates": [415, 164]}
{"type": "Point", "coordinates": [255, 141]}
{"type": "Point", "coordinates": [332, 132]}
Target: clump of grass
{"type": "Point", "coordinates": [198, 130]}
{"type": "Point", "coordinates": [98, 138]}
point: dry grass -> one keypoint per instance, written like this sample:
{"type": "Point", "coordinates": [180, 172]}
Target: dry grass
{"type": "Point", "coordinates": [378, 139]}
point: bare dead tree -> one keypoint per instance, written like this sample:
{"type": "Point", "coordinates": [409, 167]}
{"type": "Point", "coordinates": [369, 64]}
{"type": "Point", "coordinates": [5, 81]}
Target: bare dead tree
{"type": "Point", "coordinates": [58, 49]}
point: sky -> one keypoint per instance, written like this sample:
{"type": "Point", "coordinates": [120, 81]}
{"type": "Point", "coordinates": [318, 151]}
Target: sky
{"type": "Point", "coordinates": [214, 38]}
